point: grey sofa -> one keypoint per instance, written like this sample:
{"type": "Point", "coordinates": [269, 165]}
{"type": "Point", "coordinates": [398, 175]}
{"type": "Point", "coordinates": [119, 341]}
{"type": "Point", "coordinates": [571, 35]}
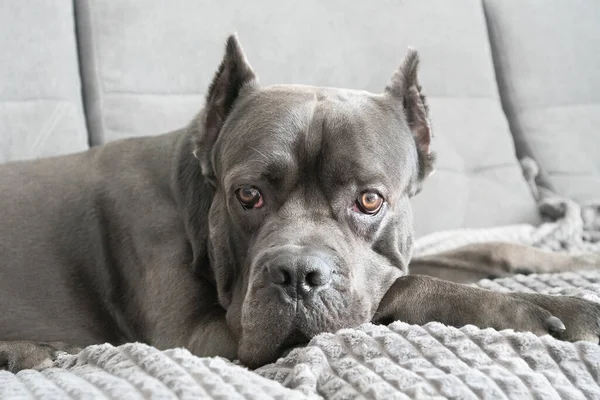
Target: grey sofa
{"type": "Point", "coordinates": [505, 78]}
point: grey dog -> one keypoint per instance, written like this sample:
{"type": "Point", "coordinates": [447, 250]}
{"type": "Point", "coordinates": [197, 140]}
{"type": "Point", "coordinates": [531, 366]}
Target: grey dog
{"type": "Point", "coordinates": [280, 212]}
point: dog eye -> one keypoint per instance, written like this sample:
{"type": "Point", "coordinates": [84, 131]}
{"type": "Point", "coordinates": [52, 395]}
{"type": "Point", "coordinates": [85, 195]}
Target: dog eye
{"type": "Point", "coordinates": [369, 202]}
{"type": "Point", "coordinates": [249, 197]}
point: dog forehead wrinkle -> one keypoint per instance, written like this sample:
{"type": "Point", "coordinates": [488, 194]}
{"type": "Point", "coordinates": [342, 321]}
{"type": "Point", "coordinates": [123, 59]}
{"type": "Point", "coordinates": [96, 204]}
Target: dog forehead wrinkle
{"type": "Point", "coordinates": [352, 155]}
{"type": "Point", "coordinates": [256, 169]}
{"type": "Point", "coordinates": [264, 148]}
{"type": "Point", "coordinates": [310, 139]}
{"type": "Point", "coordinates": [366, 146]}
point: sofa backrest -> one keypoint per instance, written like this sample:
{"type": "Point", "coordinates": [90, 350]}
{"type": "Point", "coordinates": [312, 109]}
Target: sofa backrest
{"type": "Point", "coordinates": [547, 57]}
{"type": "Point", "coordinates": [41, 113]}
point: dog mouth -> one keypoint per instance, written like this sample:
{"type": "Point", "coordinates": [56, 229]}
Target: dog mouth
{"type": "Point", "coordinates": [294, 340]}
{"type": "Point", "coordinates": [256, 353]}
{"type": "Point", "coordinates": [273, 322]}
{"type": "Point", "coordinates": [264, 344]}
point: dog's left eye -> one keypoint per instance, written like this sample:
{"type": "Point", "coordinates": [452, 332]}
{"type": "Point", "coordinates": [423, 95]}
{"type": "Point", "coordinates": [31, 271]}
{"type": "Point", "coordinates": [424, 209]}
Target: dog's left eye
{"type": "Point", "coordinates": [369, 202]}
{"type": "Point", "coordinates": [249, 197]}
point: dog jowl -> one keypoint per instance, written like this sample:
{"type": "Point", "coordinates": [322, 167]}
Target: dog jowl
{"type": "Point", "coordinates": [310, 222]}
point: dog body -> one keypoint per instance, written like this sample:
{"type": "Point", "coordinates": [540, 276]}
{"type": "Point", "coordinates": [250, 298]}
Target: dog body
{"type": "Point", "coordinates": [98, 260]}
{"type": "Point", "coordinates": [277, 214]}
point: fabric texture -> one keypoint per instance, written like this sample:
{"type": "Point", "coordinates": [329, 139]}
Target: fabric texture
{"type": "Point", "coordinates": [377, 362]}
{"type": "Point", "coordinates": [146, 68]}
{"type": "Point", "coordinates": [138, 371]}
{"type": "Point", "coordinates": [548, 68]}
{"type": "Point", "coordinates": [40, 97]}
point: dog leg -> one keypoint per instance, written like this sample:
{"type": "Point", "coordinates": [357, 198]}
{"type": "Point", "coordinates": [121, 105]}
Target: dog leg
{"type": "Point", "coordinates": [421, 299]}
{"type": "Point", "coordinates": [212, 338]}
{"type": "Point", "coordinates": [180, 310]}
{"type": "Point", "coordinates": [477, 261]}
{"type": "Point", "coordinates": [18, 355]}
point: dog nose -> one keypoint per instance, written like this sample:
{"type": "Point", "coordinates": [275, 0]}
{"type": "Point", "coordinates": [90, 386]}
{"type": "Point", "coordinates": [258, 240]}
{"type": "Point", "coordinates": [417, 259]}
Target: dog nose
{"type": "Point", "coordinates": [300, 275]}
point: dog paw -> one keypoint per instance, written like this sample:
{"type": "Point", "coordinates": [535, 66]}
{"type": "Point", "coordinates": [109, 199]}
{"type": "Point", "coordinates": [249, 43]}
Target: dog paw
{"type": "Point", "coordinates": [18, 355]}
{"type": "Point", "coordinates": [565, 317]}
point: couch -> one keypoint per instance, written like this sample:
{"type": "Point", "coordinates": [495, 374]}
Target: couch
{"type": "Point", "coordinates": [506, 80]}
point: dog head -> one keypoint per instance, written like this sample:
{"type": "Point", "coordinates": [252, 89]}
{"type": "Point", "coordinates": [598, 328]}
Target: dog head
{"type": "Point", "coordinates": [310, 223]}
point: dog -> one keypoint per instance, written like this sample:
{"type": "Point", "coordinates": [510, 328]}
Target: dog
{"type": "Point", "coordinates": [279, 213]}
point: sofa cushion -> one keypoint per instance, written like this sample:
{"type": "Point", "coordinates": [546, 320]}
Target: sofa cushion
{"type": "Point", "coordinates": [146, 69]}
{"type": "Point", "coordinates": [40, 101]}
{"type": "Point", "coordinates": [547, 57]}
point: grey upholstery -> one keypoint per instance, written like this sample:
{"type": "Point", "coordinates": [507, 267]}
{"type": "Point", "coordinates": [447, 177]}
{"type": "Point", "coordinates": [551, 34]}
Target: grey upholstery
{"type": "Point", "coordinates": [40, 94]}
{"type": "Point", "coordinates": [145, 70]}
{"type": "Point", "coordinates": [547, 57]}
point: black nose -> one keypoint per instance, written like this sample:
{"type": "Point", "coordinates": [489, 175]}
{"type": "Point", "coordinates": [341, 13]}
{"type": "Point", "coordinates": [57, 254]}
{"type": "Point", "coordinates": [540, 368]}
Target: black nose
{"type": "Point", "coordinates": [300, 275]}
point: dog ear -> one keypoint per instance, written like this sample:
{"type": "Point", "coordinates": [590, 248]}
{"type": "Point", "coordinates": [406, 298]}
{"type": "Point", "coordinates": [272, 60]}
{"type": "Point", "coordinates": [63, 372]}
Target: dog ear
{"type": "Point", "coordinates": [405, 87]}
{"type": "Point", "coordinates": [233, 76]}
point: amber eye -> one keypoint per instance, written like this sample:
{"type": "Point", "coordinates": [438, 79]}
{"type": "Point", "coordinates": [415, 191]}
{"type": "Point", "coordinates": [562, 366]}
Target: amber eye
{"type": "Point", "coordinates": [369, 202]}
{"type": "Point", "coordinates": [249, 197]}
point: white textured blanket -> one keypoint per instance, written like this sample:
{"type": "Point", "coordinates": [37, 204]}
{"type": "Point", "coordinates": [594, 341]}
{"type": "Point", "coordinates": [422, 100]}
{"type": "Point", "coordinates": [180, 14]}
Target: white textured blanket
{"type": "Point", "coordinates": [398, 361]}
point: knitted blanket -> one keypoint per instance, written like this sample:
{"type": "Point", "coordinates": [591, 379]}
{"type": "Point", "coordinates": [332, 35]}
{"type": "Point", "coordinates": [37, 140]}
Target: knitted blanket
{"type": "Point", "coordinates": [397, 361]}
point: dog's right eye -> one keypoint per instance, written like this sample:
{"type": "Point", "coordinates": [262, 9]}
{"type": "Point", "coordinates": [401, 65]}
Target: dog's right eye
{"type": "Point", "coordinates": [369, 202]}
{"type": "Point", "coordinates": [249, 197]}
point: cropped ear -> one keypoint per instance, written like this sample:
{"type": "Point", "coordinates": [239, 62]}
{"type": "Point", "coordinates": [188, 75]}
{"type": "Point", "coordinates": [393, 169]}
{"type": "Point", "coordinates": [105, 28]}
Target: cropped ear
{"type": "Point", "coordinates": [233, 76]}
{"type": "Point", "coordinates": [404, 86]}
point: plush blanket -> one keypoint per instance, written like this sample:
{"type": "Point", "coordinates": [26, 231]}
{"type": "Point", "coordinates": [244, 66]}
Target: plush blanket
{"type": "Point", "coordinates": [396, 361]}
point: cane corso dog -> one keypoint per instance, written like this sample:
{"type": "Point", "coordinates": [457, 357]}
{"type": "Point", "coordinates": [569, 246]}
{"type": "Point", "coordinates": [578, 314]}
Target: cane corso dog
{"type": "Point", "coordinates": [280, 212]}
